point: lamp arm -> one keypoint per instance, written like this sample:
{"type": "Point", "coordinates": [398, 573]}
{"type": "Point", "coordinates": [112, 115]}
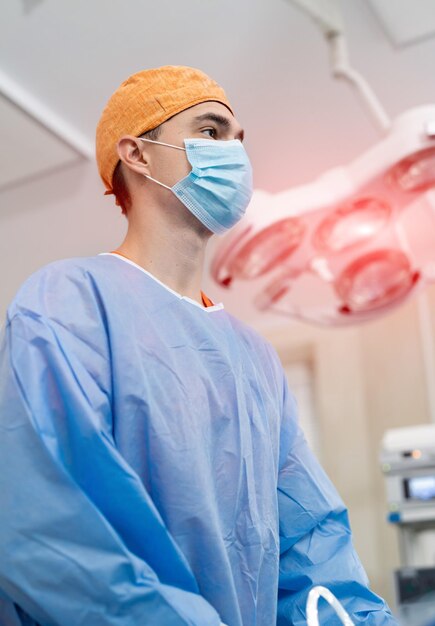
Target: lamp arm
{"type": "Point", "coordinates": [327, 15]}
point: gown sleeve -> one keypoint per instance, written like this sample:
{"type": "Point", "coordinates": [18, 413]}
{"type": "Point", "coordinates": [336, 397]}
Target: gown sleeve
{"type": "Point", "coordinates": [315, 538]}
{"type": "Point", "coordinates": [72, 510]}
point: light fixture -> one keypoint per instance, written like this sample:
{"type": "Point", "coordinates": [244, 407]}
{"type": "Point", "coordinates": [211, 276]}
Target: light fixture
{"type": "Point", "coordinates": [351, 224]}
{"type": "Point", "coordinates": [375, 280]}
{"type": "Point", "coordinates": [339, 250]}
{"type": "Point", "coordinates": [415, 172]}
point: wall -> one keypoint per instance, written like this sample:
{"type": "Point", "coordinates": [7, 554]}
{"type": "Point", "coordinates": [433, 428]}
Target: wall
{"type": "Point", "coordinates": [63, 214]}
{"type": "Point", "coordinates": [367, 379]}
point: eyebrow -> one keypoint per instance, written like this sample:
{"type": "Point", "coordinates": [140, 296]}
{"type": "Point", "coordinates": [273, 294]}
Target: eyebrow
{"type": "Point", "coordinates": [220, 120]}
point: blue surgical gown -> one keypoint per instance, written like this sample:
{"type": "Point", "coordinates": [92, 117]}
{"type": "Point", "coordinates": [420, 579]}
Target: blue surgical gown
{"type": "Point", "coordinates": [152, 471]}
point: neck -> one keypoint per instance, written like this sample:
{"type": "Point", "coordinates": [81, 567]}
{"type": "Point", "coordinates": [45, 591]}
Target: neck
{"type": "Point", "coordinates": [172, 253]}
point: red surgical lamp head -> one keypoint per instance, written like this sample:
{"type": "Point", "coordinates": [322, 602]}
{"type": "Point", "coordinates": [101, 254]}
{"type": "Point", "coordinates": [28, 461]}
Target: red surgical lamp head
{"type": "Point", "coordinates": [344, 248]}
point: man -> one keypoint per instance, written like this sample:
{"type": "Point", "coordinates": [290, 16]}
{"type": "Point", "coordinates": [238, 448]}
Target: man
{"type": "Point", "coordinates": [152, 470]}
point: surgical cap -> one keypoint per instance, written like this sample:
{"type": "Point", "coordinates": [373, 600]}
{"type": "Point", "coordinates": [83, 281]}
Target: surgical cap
{"type": "Point", "coordinates": [146, 100]}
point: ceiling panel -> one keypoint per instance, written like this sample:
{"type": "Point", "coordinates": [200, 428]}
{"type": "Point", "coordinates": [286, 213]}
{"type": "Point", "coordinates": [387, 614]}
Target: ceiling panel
{"type": "Point", "coordinates": [406, 21]}
{"type": "Point", "coordinates": [28, 149]}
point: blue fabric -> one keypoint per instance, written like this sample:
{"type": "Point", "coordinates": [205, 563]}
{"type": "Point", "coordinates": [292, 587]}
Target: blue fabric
{"type": "Point", "coordinates": [142, 440]}
{"type": "Point", "coordinates": [219, 187]}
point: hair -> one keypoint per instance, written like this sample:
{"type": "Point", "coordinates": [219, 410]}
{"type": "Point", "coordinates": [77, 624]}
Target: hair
{"type": "Point", "coordinates": [119, 184]}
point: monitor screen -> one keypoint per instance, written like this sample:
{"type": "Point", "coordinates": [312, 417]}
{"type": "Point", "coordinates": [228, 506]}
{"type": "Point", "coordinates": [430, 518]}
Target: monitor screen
{"type": "Point", "coordinates": [420, 487]}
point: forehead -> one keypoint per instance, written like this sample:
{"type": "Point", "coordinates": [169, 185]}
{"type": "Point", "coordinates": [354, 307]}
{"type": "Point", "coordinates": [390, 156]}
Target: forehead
{"type": "Point", "coordinates": [187, 117]}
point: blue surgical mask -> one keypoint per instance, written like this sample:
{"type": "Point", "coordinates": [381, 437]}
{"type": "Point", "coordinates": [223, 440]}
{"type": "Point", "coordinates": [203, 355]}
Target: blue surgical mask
{"type": "Point", "coordinates": [219, 187]}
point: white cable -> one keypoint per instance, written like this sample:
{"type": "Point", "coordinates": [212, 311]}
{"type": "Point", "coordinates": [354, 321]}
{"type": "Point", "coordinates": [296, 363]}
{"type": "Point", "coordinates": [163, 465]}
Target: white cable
{"type": "Point", "coordinates": [313, 600]}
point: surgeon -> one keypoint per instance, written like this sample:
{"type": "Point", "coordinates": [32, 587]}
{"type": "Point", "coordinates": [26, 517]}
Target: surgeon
{"type": "Point", "coordinates": [152, 470]}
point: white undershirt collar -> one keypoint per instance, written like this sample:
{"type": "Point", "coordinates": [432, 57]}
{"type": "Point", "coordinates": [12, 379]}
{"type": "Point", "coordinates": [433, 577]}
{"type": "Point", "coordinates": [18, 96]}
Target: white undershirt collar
{"type": "Point", "coordinates": [208, 309]}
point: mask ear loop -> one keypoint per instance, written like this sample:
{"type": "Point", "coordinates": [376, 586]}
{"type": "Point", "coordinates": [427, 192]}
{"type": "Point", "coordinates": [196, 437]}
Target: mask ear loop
{"type": "Point", "coordinates": [158, 182]}
{"type": "Point", "coordinates": [161, 143]}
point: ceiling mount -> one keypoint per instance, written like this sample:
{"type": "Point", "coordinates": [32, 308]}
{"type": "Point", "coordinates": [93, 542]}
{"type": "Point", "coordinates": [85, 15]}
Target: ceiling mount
{"type": "Point", "coordinates": [30, 5]}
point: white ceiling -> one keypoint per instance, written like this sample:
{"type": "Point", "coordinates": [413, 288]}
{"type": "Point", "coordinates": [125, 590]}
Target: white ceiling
{"type": "Point", "coordinates": [270, 58]}
{"type": "Point", "coordinates": [30, 149]}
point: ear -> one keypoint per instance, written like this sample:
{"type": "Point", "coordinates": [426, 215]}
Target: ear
{"type": "Point", "coordinates": [132, 152]}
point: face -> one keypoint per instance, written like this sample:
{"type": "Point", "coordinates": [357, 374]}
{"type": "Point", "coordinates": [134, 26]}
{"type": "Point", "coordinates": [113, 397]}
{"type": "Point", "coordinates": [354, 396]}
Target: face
{"type": "Point", "coordinates": [208, 120]}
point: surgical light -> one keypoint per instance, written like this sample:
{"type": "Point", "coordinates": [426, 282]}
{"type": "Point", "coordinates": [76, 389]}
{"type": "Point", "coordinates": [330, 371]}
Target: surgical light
{"type": "Point", "coordinates": [374, 280]}
{"type": "Point", "coordinates": [415, 172]}
{"type": "Point", "coordinates": [268, 249]}
{"type": "Point", "coordinates": [351, 224]}
{"type": "Point", "coordinates": [344, 248]}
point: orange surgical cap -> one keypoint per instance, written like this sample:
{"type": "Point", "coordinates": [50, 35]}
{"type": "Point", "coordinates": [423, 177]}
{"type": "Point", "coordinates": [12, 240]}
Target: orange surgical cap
{"type": "Point", "coordinates": [146, 100]}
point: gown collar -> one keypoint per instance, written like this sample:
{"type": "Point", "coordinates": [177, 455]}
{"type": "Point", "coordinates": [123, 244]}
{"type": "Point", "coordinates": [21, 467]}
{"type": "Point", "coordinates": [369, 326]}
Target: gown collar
{"type": "Point", "coordinates": [207, 308]}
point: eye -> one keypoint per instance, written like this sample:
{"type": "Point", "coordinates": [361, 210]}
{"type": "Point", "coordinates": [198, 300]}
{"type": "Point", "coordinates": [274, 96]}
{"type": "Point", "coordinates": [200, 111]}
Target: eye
{"type": "Point", "coordinates": [211, 131]}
